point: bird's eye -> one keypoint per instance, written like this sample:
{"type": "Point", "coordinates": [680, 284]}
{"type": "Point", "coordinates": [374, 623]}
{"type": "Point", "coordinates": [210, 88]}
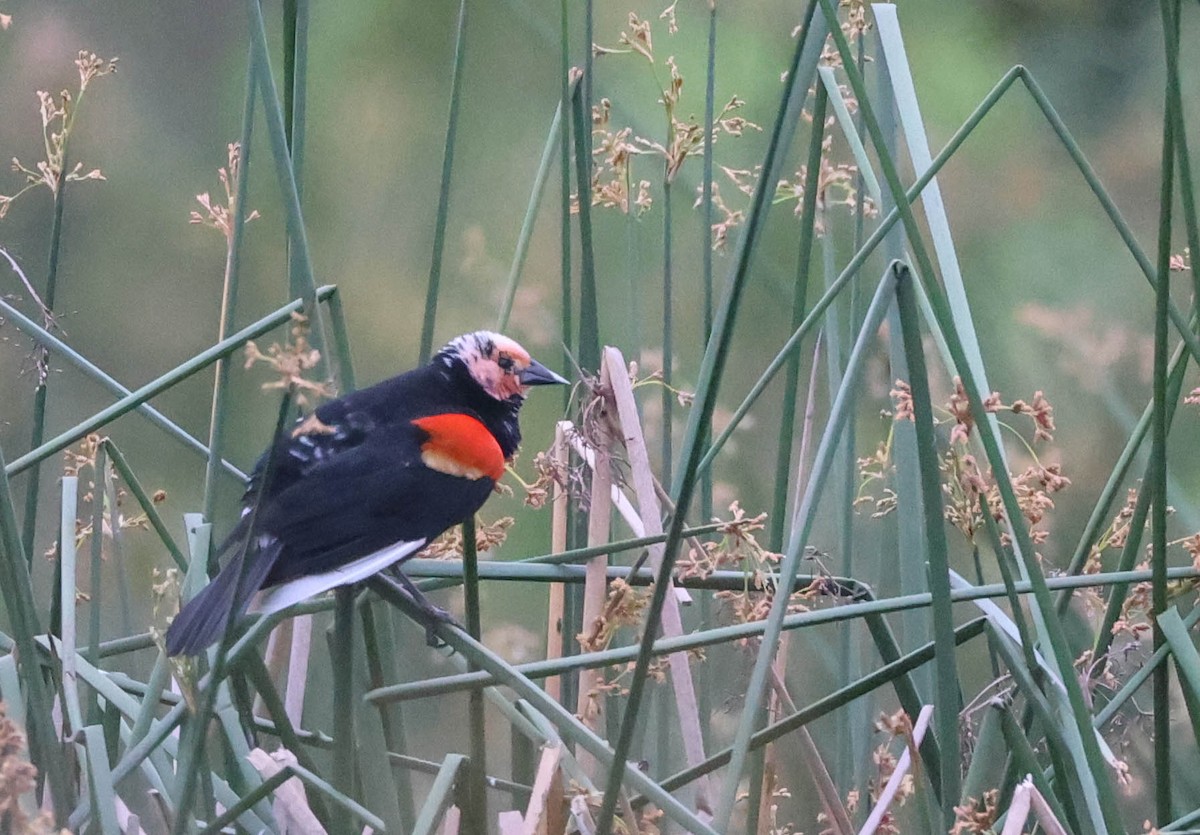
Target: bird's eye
{"type": "Point", "coordinates": [505, 362]}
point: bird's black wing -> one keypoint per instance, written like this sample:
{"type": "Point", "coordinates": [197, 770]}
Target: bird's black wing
{"type": "Point", "coordinates": [368, 496]}
{"type": "Point", "coordinates": [340, 425]}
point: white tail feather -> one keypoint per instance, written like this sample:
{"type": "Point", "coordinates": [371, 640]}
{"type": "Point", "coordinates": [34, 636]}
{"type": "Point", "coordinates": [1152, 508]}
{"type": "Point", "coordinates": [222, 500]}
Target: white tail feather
{"type": "Point", "coordinates": [286, 594]}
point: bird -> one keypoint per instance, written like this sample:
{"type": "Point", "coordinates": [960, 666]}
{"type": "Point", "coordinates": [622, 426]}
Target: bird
{"type": "Point", "coordinates": [366, 481]}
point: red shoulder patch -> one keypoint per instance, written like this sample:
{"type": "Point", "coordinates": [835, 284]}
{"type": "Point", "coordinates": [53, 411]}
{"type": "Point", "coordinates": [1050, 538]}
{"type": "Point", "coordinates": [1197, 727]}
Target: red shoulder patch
{"type": "Point", "coordinates": [460, 445]}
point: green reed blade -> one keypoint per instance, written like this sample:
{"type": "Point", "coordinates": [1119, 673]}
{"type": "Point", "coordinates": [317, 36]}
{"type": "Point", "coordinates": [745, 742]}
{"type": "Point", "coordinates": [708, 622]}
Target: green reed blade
{"type": "Point", "coordinates": [1026, 760]}
{"type": "Point", "coordinates": [95, 604]}
{"type": "Point", "coordinates": [1159, 426]}
{"type": "Point", "coordinates": [801, 529]}
{"type": "Point", "coordinates": [589, 315]}
{"type": "Point", "coordinates": [16, 590]}
{"type": "Point", "coordinates": [1187, 661]}
{"type": "Point", "coordinates": [1102, 804]}
{"type": "Point", "coordinates": [440, 795]}
{"type": "Point", "coordinates": [803, 67]}
{"type": "Point", "coordinates": [67, 597]}
{"type": "Point", "coordinates": [157, 386]}
{"type": "Point", "coordinates": [45, 338]}
{"type": "Point", "coordinates": [987, 758]}
{"type": "Point", "coordinates": [286, 175]}
{"type": "Point", "coordinates": [100, 783]}
{"type": "Point", "coordinates": [144, 502]}
{"type": "Point", "coordinates": [787, 419]}
{"type": "Point", "coordinates": [341, 342]}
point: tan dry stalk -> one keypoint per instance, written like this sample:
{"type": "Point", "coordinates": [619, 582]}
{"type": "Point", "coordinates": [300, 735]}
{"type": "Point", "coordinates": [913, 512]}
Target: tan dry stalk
{"type": "Point", "coordinates": [902, 766]}
{"type": "Point", "coordinates": [590, 705]}
{"type": "Point", "coordinates": [642, 477]}
{"type": "Point", "coordinates": [544, 814]}
{"type": "Point", "coordinates": [558, 543]}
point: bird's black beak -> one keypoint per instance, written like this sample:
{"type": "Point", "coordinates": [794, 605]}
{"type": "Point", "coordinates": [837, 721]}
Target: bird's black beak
{"type": "Point", "coordinates": [537, 374]}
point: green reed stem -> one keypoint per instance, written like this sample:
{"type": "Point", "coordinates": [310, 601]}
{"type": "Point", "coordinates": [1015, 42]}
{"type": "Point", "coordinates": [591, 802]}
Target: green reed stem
{"type": "Point", "coordinates": [808, 217]}
{"type": "Point", "coordinates": [39, 394]}
{"type": "Point", "coordinates": [945, 668]}
{"type": "Point", "coordinates": [229, 293]}
{"type": "Point", "coordinates": [1159, 426]}
{"type": "Point", "coordinates": [706, 244]}
{"type": "Point", "coordinates": [341, 342]}
{"type": "Point", "coordinates": [443, 208]}
{"type": "Point", "coordinates": [564, 159]}
{"type": "Point", "coordinates": [341, 645]}
{"type": "Point", "coordinates": [589, 316]}
{"type": "Point", "coordinates": [526, 234]}
{"type": "Point", "coordinates": [295, 112]}
{"type": "Point", "coordinates": [475, 815]}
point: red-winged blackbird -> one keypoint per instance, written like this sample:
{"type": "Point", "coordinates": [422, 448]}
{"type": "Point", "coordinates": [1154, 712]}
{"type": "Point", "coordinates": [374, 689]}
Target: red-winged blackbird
{"type": "Point", "coordinates": [367, 481]}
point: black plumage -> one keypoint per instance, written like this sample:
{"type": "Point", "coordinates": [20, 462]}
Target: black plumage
{"type": "Point", "coordinates": [358, 476]}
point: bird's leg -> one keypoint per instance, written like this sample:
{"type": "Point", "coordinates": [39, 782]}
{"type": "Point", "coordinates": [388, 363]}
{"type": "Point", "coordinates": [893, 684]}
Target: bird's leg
{"type": "Point", "coordinates": [424, 610]}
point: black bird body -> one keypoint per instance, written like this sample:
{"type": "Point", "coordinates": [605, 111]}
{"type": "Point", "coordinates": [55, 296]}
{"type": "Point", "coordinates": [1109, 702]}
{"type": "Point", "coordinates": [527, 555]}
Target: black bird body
{"type": "Point", "coordinates": [369, 479]}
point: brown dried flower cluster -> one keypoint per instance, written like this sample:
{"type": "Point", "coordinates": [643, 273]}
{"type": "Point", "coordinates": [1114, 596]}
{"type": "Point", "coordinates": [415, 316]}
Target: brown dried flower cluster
{"type": "Point", "coordinates": [958, 408]}
{"type": "Point", "coordinates": [977, 816]}
{"type": "Point", "coordinates": [80, 461]}
{"type": "Point", "coordinates": [967, 487]}
{"type": "Point", "coordinates": [18, 778]}
{"type": "Point", "coordinates": [854, 23]}
{"type": "Point", "coordinates": [488, 537]}
{"type": "Point", "coordinates": [896, 725]}
{"type": "Point", "coordinates": [549, 473]}
{"type": "Point", "coordinates": [219, 216]}
{"type": "Point", "coordinates": [613, 184]}
{"type": "Point", "coordinates": [622, 607]}
{"type": "Point", "coordinates": [58, 120]}
{"type": "Point", "coordinates": [291, 363]}
{"type": "Point", "coordinates": [739, 549]}
{"type": "Point", "coordinates": [1114, 536]}
{"type": "Point", "coordinates": [835, 187]}
{"type": "Point", "coordinates": [1134, 622]}
{"type": "Point", "coordinates": [730, 218]}
{"type": "Point", "coordinates": [613, 150]}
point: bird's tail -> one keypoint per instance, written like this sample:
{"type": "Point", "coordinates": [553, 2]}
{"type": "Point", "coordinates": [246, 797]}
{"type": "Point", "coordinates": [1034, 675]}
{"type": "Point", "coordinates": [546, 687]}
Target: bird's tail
{"type": "Point", "coordinates": [205, 617]}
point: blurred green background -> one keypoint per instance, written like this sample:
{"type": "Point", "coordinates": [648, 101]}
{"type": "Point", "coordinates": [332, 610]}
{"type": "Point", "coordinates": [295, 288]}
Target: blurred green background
{"type": "Point", "coordinates": [139, 288]}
